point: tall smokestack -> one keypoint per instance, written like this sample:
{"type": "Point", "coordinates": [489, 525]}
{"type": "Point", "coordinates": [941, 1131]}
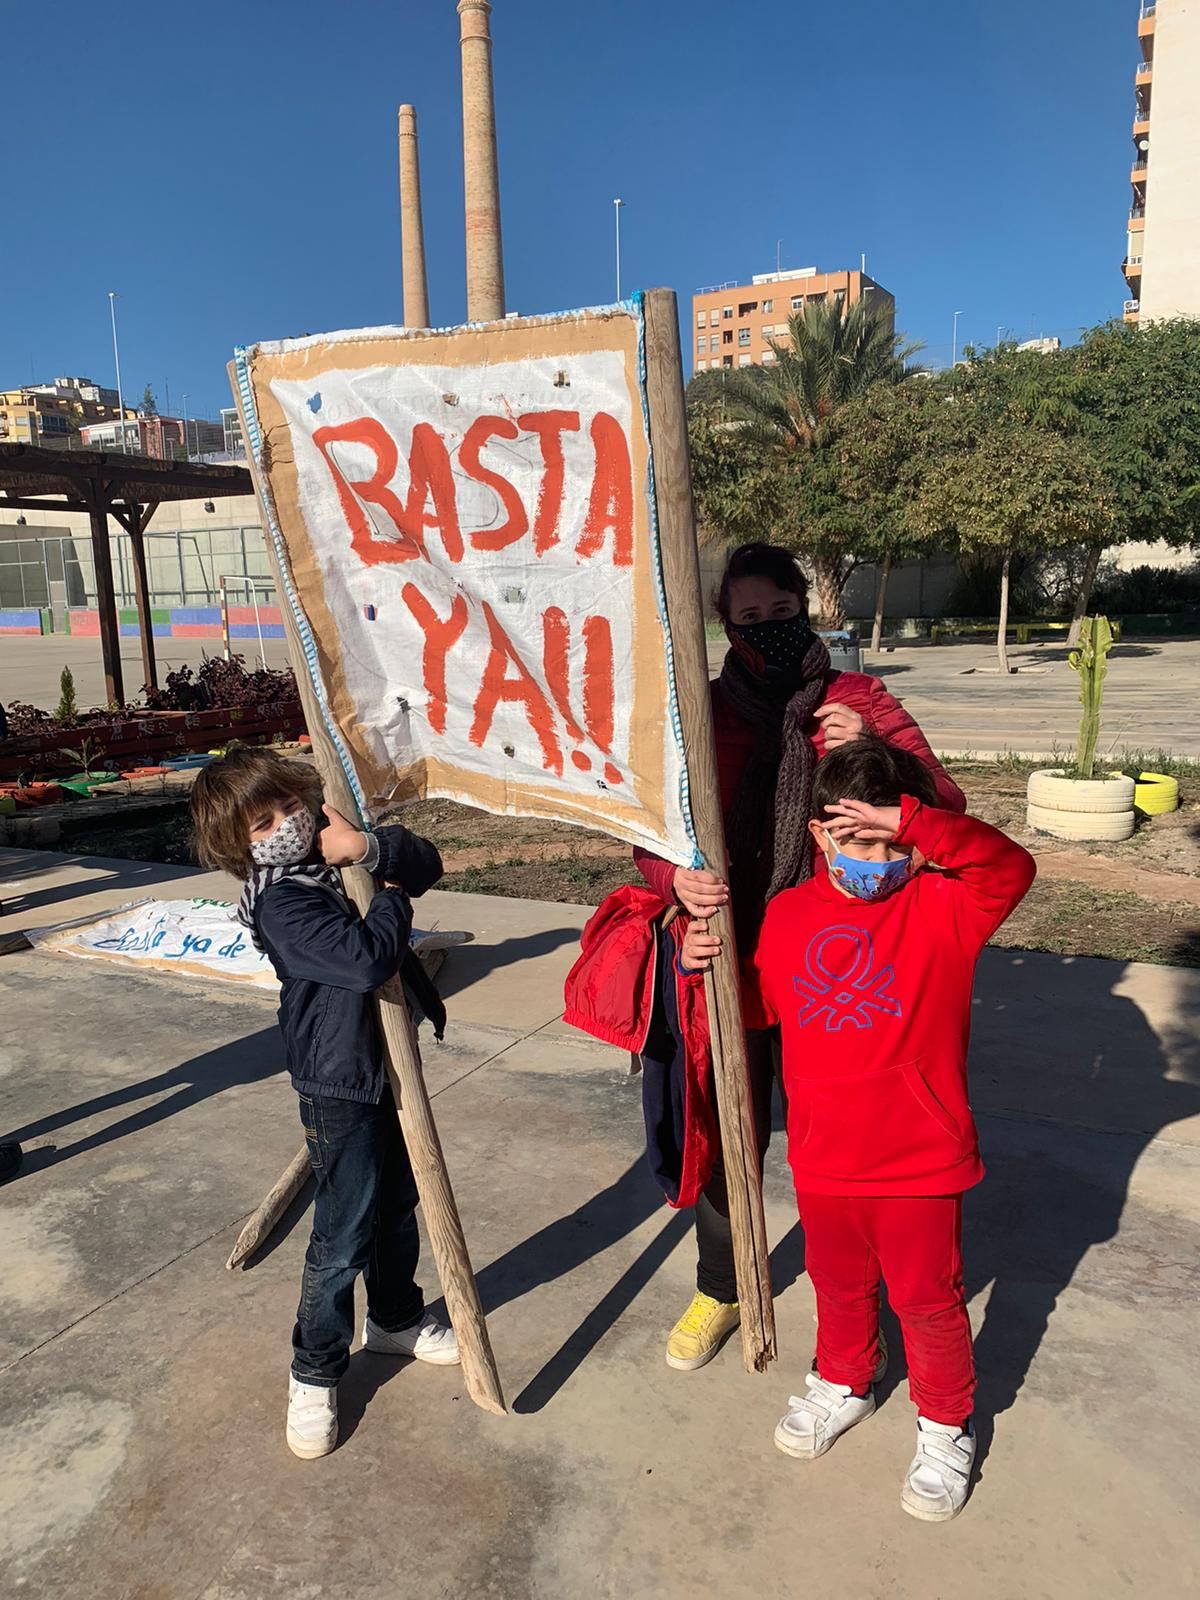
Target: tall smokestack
{"type": "Point", "coordinates": [412, 229]}
{"type": "Point", "coordinates": [485, 251]}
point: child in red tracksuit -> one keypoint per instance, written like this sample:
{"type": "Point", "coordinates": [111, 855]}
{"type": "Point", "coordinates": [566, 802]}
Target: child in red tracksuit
{"type": "Point", "coordinates": [868, 967]}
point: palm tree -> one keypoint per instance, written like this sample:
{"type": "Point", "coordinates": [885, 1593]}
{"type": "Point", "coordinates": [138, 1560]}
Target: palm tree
{"type": "Point", "coordinates": [789, 407]}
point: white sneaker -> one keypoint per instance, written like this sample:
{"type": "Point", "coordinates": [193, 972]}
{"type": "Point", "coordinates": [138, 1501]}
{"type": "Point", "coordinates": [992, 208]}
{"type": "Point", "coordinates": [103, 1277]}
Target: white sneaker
{"type": "Point", "coordinates": [939, 1479]}
{"type": "Point", "coordinates": [312, 1420]}
{"type": "Point", "coordinates": [815, 1420]}
{"type": "Point", "coordinates": [427, 1340]}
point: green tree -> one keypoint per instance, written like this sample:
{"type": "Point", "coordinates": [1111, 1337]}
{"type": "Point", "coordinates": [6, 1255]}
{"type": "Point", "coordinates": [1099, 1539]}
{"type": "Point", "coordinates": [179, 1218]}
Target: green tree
{"type": "Point", "coordinates": [1138, 394]}
{"type": "Point", "coordinates": [1012, 487]}
{"type": "Point", "coordinates": [886, 439]}
{"type": "Point", "coordinates": [777, 428]}
{"type": "Point", "coordinates": [149, 406]}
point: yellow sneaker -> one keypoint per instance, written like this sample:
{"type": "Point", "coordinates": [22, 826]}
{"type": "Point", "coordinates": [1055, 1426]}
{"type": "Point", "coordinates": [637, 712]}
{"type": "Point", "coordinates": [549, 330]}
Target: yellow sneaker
{"type": "Point", "coordinates": [700, 1332]}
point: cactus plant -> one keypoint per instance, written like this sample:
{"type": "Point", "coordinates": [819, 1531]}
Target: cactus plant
{"type": "Point", "coordinates": [1090, 661]}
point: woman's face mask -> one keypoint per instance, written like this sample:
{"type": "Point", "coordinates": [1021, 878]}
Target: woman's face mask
{"type": "Point", "coordinates": [775, 649]}
{"type": "Point", "coordinates": [288, 843]}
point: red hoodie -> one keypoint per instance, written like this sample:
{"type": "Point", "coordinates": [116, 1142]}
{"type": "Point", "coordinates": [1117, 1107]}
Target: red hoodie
{"type": "Point", "coordinates": [734, 738]}
{"type": "Point", "coordinates": [874, 999]}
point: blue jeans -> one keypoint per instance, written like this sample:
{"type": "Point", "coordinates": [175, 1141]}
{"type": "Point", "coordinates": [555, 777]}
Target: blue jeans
{"type": "Point", "coordinates": [363, 1221]}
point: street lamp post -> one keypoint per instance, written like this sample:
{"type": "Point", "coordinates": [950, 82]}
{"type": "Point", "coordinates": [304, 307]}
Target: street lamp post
{"type": "Point", "coordinates": [954, 345]}
{"type": "Point", "coordinates": [186, 451]}
{"type": "Point", "coordinates": [617, 204]}
{"type": "Point", "coordinates": [112, 310]}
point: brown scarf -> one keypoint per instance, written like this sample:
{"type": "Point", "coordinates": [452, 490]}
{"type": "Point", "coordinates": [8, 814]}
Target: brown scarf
{"type": "Point", "coordinates": [766, 828]}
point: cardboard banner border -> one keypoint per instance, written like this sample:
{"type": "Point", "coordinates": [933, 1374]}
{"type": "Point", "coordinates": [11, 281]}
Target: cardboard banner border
{"type": "Point", "coordinates": [634, 307]}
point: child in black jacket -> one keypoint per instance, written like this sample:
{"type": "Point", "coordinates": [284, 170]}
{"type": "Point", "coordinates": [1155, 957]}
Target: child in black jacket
{"type": "Point", "coordinates": [256, 815]}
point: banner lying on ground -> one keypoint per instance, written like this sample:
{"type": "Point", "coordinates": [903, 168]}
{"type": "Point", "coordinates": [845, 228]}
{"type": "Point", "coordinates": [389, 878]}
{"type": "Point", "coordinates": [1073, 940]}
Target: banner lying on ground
{"type": "Point", "coordinates": [465, 521]}
{"type": "Point", "coordinates": [200, 938]}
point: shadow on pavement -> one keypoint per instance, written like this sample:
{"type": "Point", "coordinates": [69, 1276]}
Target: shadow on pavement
{"type": "Point", "coordinates": [474, 961]}
{"type": "Point", "coordinates": [104, 876]}
{"type": "Point", "coordinates": [248, 1060]}
{"type": "Point", "coordinates": [1035, 1216]}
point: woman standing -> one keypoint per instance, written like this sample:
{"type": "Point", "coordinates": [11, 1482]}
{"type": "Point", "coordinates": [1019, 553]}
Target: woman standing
{"type": "Point", "coordinates": [778, 707]}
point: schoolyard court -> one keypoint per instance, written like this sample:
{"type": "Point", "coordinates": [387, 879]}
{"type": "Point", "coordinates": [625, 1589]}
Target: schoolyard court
{"type": "Point", "coordinates": [143, 1387]}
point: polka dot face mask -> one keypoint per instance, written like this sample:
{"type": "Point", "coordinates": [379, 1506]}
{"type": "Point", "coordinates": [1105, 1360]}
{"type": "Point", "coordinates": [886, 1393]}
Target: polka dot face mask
{"type": "Point", "coordinates": [288, 844]}
{"type": "Point", "coordinates": [775, 650]}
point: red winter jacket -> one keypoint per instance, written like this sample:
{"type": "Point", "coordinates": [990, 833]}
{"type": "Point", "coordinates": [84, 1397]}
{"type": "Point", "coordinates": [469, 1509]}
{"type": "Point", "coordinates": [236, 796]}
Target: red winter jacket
{"type": "Point", "coordinates": [874, 1000]}
{"type": "Point", "coordinates": [882, 713]}
{"type": "Point", "coordinates": [609, 993]}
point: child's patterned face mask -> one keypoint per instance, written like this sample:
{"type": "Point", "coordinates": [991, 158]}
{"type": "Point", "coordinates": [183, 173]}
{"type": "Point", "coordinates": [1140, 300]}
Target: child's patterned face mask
{"type": "Point", "coordinates": [870, 880]}
{"type": "Point", "coordinates": [288, 844]}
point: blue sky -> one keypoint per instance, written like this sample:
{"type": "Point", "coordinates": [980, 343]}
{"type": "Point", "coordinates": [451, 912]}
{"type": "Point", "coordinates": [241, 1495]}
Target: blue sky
{"type": "Point", "coordinates": [229, 167]}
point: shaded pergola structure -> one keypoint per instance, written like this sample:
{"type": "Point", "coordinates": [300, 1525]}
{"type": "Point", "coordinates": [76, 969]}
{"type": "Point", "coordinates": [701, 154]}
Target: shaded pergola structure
{"type": "Point", "coordinates": [129, 488]}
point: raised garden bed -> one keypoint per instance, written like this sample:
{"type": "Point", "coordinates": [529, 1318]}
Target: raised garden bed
{"type": "Point", "coordinates": [145, 738]}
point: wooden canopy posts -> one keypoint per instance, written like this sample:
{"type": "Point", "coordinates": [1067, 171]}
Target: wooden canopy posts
{"type": "Point", "coordinates": [130, 488]}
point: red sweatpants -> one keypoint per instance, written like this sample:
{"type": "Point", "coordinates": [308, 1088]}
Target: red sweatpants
{"type": "Point", "coordinates": [914, 1244]}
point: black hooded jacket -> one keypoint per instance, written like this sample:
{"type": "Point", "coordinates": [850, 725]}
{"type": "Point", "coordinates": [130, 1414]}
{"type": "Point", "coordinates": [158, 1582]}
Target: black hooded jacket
{"type": "Point", "coordinates": [330, 961]}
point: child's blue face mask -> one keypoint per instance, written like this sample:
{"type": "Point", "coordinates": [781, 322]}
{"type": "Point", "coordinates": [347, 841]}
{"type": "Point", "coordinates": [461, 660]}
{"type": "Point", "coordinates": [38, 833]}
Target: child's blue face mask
{"type": "Point", "coordinates": [870, 880]}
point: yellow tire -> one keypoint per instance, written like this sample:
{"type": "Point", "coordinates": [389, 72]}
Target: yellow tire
{"type": "Point", "coordinates": [1156, 794]}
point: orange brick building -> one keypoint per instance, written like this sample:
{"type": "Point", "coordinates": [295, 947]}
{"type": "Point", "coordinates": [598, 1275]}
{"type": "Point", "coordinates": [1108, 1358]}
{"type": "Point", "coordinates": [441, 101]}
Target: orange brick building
{"type": "Point", "coordinates": [733, 322]}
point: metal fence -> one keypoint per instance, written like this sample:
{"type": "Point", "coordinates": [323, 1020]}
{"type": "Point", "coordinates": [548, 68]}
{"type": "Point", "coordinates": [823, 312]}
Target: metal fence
{"type": "Point", "coordinates": [185, 568]}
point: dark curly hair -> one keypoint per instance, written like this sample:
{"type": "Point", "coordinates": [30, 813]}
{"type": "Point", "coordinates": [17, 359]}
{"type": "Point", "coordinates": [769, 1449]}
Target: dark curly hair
{"type": "Point", "coordinates": [768, 561]}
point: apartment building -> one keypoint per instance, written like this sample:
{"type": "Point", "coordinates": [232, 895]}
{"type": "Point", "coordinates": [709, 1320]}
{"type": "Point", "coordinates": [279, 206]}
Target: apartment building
{"type": "Point", "coordinates": [734, 324]}
{"type": "Point", "coordinates": [50, 414]}
{"type": "Point", "coordinates": [1162, 254]}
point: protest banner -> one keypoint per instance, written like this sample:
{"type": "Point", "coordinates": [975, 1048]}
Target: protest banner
{"type": "Point", "coordinates": [466, 525]}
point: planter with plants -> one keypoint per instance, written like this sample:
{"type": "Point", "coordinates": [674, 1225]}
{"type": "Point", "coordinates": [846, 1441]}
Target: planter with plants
{"type": "Point", "coordinates": [1083, 803]}
{"type": "Point", "coordinates": [193, 712]}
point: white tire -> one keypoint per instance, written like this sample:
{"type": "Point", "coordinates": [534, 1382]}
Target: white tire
{"type": "Point", "coordinates": [1108, 825]}
{"type": "Point", "coordinates": [1050, 790]}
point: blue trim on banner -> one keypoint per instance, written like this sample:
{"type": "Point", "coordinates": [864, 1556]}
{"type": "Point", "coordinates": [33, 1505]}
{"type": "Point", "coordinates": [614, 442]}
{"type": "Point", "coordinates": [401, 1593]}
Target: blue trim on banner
{"type": "Point", "coordinates": [637, 306]}
{"type": "Point", "coordinates": [308, 643]}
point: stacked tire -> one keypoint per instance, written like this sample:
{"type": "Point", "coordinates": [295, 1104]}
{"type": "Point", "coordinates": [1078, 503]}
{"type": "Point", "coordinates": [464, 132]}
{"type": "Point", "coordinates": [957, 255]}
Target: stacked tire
{"type": "Point", "coordinates": [1081, 808]}
{"type": "Point", "coordinates": [1156, 794]}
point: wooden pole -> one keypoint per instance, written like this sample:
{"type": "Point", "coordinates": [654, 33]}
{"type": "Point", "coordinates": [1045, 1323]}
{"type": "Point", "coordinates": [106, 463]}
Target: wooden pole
{"type": "Point", "coordinates": [106, 600]}
{"type": "Point", "coordinates": [401, 1056]}
{"type": "Point", "coordinates": [134, 518]}
{"type": "Point", "coordinates": [685, 608]}
{"type": "Point", "coordinates": [262, 1224]}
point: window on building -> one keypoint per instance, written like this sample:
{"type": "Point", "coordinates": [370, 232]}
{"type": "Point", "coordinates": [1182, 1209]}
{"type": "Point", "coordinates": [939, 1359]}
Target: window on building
{"type": "Point", "coordinates": [747, 307]}
{"type": "Point", "coordinates": [839, 297]}
{"type": "Point", "coordinates": [701, 319]}
{"type": "Point", "coordinates": [816, 299]}
{"type": "Point", "coordinates": [727, 313]}
{"type": "Point", "coordinates": [768, 357]}
{"type": "Point", "coordinates": [743, 335]}
{"type": "Point", "coordinates": [797, 302]}
{"type": "Point", "coordinates": [726, 361]}
{"type": "Point", "coordinates": [768, 306]}
{"type": "Point", "coordinates": [727, 336]}
{"type": "Point", "coordinates": [702, 342]}
{"type": "Point", "coordinates": [745, 361]}
{"type": "Point", "coordinates": [714, 318]}
{"type": "Point", "coordinates": [768, 333]}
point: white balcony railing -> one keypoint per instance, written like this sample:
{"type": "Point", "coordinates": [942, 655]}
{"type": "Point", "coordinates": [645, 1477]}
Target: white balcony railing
{"type": "Point", "coordinates": [1149, 8]}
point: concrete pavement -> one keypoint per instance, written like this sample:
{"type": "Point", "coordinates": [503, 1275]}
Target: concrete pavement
{"type": "Point", "coordinates": [143, 1387]}
{"type": "Point", "coordinates": [954, 692]}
